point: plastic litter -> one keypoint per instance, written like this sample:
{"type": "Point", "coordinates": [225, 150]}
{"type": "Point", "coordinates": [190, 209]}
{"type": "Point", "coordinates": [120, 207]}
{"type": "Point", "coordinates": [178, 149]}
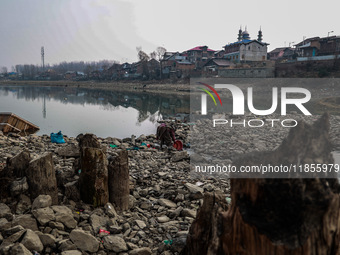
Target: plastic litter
{"type": "Point", "coordinates": [167, 242]}
{"type": "Point", "coordinates": [104, 231]}
{"type": "Point", "coordinates": [113, 146]}
{"type": "Point", "coordinates": [133, 148]}
{"type": "Point", "coordinates": [228, 200]}
{"type": "Point", "coordinates": [57, 138]}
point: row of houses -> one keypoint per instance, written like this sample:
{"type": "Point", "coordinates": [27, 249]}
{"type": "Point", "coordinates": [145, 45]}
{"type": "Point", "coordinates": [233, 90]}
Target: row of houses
{"type": "Point", "coordinates": [314, 48]}
{"type": "Point", "coordinates": [195, 61]}
{"type": "Point", "coordinates": [242, 57]}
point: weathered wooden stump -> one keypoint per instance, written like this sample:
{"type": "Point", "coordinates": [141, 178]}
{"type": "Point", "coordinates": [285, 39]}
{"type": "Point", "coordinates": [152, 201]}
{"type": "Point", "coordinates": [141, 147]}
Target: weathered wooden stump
{"type": "Point", "coordinates": [119, 186]}
{"type": "Point", "coordinates": [93, 181]}
{"type": "Point", "coordinates": [41, 178]}
{"type": "Point", "coordinates": [297, 216]}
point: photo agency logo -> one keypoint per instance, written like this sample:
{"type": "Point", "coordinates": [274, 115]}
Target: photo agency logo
{"type": "Point", "coordinates": [238, 103]}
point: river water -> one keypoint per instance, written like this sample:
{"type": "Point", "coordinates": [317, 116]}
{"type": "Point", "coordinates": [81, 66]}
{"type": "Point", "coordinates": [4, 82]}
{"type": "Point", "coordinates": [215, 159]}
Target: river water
{"type": "Point", "coordinates": [104, 113]}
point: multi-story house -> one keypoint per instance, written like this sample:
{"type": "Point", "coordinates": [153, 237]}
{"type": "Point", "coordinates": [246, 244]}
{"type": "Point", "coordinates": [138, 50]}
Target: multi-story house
{"type": "Point", "coordinates": [200, 55]}
{"type": "Point", "coordinates": [245, 49]}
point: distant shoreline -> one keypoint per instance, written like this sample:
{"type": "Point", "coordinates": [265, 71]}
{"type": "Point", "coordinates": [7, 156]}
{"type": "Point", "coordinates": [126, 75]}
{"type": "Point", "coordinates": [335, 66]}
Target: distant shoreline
{"type": "Point", "coordinates": [154, 88]}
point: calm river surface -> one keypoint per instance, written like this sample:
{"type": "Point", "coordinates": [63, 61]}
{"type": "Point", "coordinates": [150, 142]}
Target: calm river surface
{"type": "Point", "coordinates": [103, 113]}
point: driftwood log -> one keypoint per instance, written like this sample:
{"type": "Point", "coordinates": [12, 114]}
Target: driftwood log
{"type": "Point", "coordinates": [93, 181]}
{"type": "Point", "coordinates": [119, 183]}
{"type": "Point", "coordinates": [295, 216]}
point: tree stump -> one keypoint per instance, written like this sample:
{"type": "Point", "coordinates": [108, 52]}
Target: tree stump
{"type": "Point", "coordinates": [41, 178]}
{"type": "Point", "coordinates": [119, 185]}
{"type": "Point", "coordinates": [292, 216]}
{"type": "Point", "coordinates": [93, 180]}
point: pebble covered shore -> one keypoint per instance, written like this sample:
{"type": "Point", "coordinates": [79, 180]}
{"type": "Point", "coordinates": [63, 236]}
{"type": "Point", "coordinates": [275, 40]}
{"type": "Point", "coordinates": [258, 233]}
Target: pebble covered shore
{"type": "Point", "coordinates": [164, 195]}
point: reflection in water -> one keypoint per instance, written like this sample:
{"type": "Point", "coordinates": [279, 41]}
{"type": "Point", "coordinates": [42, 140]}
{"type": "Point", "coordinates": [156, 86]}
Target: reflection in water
{"type": "Point", "coordinates": [77, 110]}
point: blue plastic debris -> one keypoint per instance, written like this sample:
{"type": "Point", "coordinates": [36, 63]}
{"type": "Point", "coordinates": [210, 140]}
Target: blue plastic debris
{"type": "Point", "coordinates": [57, 137]}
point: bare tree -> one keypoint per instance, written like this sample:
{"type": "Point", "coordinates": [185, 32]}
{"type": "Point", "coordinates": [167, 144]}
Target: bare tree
{"type": "Point", "coordinates": [4, 70]}
{"type": "Point", "coordinates": [153, 55]}
{"type": "Point", "coordinates": [144, 58]}
{"type": "Point", "coordinates": [160, 51]}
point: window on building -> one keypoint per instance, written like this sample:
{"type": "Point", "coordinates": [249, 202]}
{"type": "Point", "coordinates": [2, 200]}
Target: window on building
{"type": "Point", "coordinates": [236, 56]}
{"type": "Point", "coordinates": [248, 47]}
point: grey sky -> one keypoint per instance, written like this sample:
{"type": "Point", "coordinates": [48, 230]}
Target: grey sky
{"type": "Point", "coordinates": [93, 30]}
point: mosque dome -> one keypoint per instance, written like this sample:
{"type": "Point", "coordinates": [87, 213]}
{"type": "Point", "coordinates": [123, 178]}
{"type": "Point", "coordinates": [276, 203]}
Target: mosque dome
{"type": "Point", "coordinates": [245, 35]}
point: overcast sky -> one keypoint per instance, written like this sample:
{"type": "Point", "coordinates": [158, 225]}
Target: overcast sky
{"type": "Point", "coordinates": [92, 30]}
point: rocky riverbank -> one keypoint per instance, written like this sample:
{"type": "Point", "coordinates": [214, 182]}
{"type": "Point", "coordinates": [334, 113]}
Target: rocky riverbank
{"type": "Point", "coordinates": [164, 196]}
{"type": "Point", "coordinates": [163, 200]}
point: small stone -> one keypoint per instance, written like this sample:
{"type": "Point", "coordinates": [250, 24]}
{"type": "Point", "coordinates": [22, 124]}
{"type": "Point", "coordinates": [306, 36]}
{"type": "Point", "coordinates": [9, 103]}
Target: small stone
{"type": "Point", "coordinates": [72, 252]}
{"type": "Point", "coordinates": [166, 203]}
{"type": "Point", "coordinates": [141, 251]}
{"type": "Point", "coordinates": [32, 241]}
{"type": "Point", "coordinates": [47, 239]}
{"type": "Point", "coordinates": [43, 215]}
{"type": "Point", "coordinates": [84, 241]}
{"type": "Point", "coordinates": [13, 230]}
{"type": "Point", "coordinates": [193, 188]}
{"type": "Point", "coordinates": [163, 219]}
{"type": "Point", "coordinates": [27, 221]}
{"type": "Point", "coordinates": [110, 210]}
{"type": "Point", "coordinates": [19, 248]}
{"type": "Point", "coordinates": [66, 244]}
{"type": "Point", "coordinates": [64, 215]}
{"type": "Point", "coordinates": [97, 222]}
{"type": "Point", "coordinates": [141, 224]}
{"type": "Point", "coordinates": [115, 243]}
{"type": "Point", "coordinates": [57, 225]}
{"type": "Point", "coordinates": [42, 201]}
{"type": "Point", "coordinates": [189, 213]}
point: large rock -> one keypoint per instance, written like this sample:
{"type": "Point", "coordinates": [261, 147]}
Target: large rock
{"type": "Point", "coordinates": [115, 244]}
{"type": "Point", "coordinates": [32, 241]}
{"type": "Point", "coordinates": [27, 221]}
{"type": "Point", "coordinates": [41, 177]}
{"type": "Point", "coordinates": [42, 201]}
{"type": "Point", "coordinates": [64, 215]}
{"type": "Point", "coordinates": [84, 241]}
{"type": "Point", "coordinates": [44, 215]}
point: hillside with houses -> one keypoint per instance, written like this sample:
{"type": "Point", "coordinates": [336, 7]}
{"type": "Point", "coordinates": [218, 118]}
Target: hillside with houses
{"type": "Point", "coordinates": [245, 57]}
